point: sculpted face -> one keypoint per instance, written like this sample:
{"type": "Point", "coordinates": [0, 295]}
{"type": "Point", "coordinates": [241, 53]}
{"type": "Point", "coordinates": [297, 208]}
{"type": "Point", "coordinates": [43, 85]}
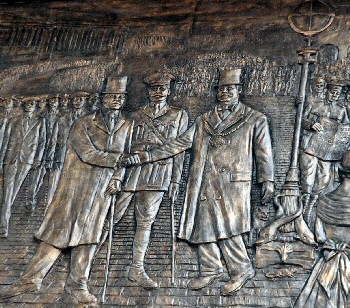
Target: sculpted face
{"type": "Point", "coordinates": [7, 103]}
{"type": "Point", "coordinates": [114, 101]}
{"type": "Point", "coordinates": [29, 106]}
{"type": "Point", "coordinates": [228, 94]}
{"type": "Point", "coordinates": [53, 102]}
{"type": "Point", "coordinates": [42, 102]}
{"type": "Point", "coordinates": [319, 87]}
{"type": "Point", "coordinates": [333, 93]}
{"type": "Point", "coordinates": [158, 93]}
{"type": "Point", "coordinates": [79, 102]}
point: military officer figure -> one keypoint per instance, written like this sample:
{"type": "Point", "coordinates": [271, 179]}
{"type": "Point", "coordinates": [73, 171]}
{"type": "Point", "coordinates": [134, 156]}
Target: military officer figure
{"type": "Point", "coordinates": [155, 124]}
{"type": "Point", "coordinates": [217, 209]}
{"type": "Point", "coordinates": [316, 173]}
{"type": "Point", "coordinates": [75, 217]}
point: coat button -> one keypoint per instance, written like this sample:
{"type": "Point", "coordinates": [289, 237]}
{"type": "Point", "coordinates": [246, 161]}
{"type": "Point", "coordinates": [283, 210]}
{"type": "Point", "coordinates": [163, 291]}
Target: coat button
{"type": "Point", "coordinates": [222, 169]}
{"type": "Point", "coordinates": [218, 197]}
{"type": "Point", "coordinates": [203, 198]}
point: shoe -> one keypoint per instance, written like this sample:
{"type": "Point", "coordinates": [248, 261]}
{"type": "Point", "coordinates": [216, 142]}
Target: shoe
{"type": "Point", "coordinates": [19, 287]}
{"type": "Point", "coordinates": [234, 284]}
{"type": "Point", "coordinates": [81, 295]}
{"type": "Point", "coordinates": [201, 282]}
{"type": "Point", "coordinates": [141, 277]}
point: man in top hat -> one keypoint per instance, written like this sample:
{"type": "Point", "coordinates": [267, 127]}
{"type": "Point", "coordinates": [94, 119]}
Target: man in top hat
{"type": "Point", "coordinates": [316, 172]}
{"type": "Point", "coordinates": [156, 123]}
{"type": "Point", "coordinates": [217, 210]}
{"type": "Point", "coordinates": [22, 150]}
{"type": "Point", "coordinates": [75, 217]}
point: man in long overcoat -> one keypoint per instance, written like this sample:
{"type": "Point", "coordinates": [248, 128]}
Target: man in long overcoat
{"type": "Point", "coordinates": [79, 208]}
{"type": "Point", "coordinates": [217, 208]}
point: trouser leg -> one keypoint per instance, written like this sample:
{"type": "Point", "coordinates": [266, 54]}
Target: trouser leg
{"type": "Point", "coordinates": [36, 181]}
{"type": "Point", "coordinates": [41, 262]}
{"type": "Point", "coordinates": [209, 259]}
{"type": "Point", "coordinates": [53, 183]}
{"type": "Point", "coordinates": [323, 176]}
{"type": "Point", "coordinates": [80, 265]}
{"type": "Point", "coordinates": [235, 255]}
{"type": "Point", "coordinates": [146, 208]}
{"type": "Point", "coordinates": [10, 172]}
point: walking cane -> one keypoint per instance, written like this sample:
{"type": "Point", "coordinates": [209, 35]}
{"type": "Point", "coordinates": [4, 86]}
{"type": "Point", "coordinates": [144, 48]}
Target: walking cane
{"type": "Point", "coordinates": [173, 244]}
{"type": "Point", "coordinates": [109, 248]}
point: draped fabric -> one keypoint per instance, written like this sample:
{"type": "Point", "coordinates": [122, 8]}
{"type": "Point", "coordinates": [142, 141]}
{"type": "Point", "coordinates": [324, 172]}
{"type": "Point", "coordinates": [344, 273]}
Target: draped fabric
{"type": "Point", "coordinates": [334, 209]}
{"type": "Point", "coordinates": [329, 282]}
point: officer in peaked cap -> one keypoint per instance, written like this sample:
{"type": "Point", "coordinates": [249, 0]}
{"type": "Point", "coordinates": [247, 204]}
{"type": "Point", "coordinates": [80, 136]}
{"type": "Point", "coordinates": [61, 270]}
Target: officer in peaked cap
{"type": "Point", "coordinates": [217, 210]}
{"type": "Point", "coordinates": [156, 123]}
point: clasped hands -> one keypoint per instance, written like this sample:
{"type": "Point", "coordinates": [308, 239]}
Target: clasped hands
{"type": "Point", "coordinates": [132, 159]}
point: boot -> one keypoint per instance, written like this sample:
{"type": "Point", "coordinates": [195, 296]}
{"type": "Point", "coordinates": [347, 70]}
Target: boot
{"type": "Point", "coordinates": [137, 272]}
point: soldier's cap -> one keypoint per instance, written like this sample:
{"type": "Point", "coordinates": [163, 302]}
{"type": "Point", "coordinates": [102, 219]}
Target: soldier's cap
{"type": "Point", "coordinates": [345, 163]}
{"type": "Point", "coordinates": [159, 79]}
{"type": "Point", "coordinates": [333, 81]}
{"type": "Point", "coordinates": [29, 99]}
{"type": "Point", "coordinates": [116, 85]}
{"type": "Point", "coordinates": [81, 94]}
{"type": "Point", "coordinates": [319, 78]}
{"type": "Point", "coordinates": [230, 77]}
{"type": "Point", "coordinates": [54, 96]}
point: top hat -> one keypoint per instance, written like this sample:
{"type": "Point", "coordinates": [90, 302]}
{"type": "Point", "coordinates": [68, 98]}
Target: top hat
{"type": "Point", "coordinates": [159, 79]}
{"type": "Point", "coordinates": [116, 85]}
{"type": "Point", "coordinates": [229, 77]}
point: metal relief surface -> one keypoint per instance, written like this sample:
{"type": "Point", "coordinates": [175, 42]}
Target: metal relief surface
{"type": "Point", "coordinates": [176, 161]}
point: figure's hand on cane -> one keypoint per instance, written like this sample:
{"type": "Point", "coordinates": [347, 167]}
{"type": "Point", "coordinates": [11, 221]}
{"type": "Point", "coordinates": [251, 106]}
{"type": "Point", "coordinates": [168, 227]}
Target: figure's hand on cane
{"type": "Point", "coordinates": [267, 191]}
{"type": "Point", "coordinates": [173, 191]}
{"type": "Point", "coordinates": [113, 187]}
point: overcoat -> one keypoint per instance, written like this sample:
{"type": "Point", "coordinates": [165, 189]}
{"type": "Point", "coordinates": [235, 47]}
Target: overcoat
{"type": "Point", "coordinates": [79, 206]}
{"type": "Point", "coordinates": [217, 202]}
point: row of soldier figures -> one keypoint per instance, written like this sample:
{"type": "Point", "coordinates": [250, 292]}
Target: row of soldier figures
{"type": "Point", "coordinates": [33, 139]}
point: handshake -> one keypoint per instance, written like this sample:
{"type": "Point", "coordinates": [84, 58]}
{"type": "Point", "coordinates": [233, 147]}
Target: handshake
{"type": "Point", "coordinates": [132, 159]}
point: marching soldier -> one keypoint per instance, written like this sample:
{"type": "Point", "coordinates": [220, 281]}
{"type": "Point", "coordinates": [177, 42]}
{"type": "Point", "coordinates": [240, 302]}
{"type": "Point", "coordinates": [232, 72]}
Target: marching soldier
{"type": "Point", "coordinates": [22, 150]}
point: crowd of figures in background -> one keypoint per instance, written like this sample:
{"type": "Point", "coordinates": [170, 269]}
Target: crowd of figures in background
{"type": "Point", "coordinates": [33, 137]}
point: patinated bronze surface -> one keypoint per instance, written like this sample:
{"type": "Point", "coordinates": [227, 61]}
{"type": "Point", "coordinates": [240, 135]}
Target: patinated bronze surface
{"type": "Point", "coordinates": [189, 153]}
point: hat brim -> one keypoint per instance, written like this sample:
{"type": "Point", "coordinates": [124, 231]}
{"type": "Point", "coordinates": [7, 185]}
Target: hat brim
{"type": "Point", "coordinates": [114, 92]}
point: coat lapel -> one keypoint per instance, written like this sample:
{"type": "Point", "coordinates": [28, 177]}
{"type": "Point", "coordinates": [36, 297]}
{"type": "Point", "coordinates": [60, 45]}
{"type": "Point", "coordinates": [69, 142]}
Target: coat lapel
{"type": "Point", "coordinates": [100, 122]}
{"type": "Point", "coordinates": [214, 118]}
{"type": "Point", "coordinates": [233, 117]}
{"type": "Point", "coordinates": [119, 123]}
